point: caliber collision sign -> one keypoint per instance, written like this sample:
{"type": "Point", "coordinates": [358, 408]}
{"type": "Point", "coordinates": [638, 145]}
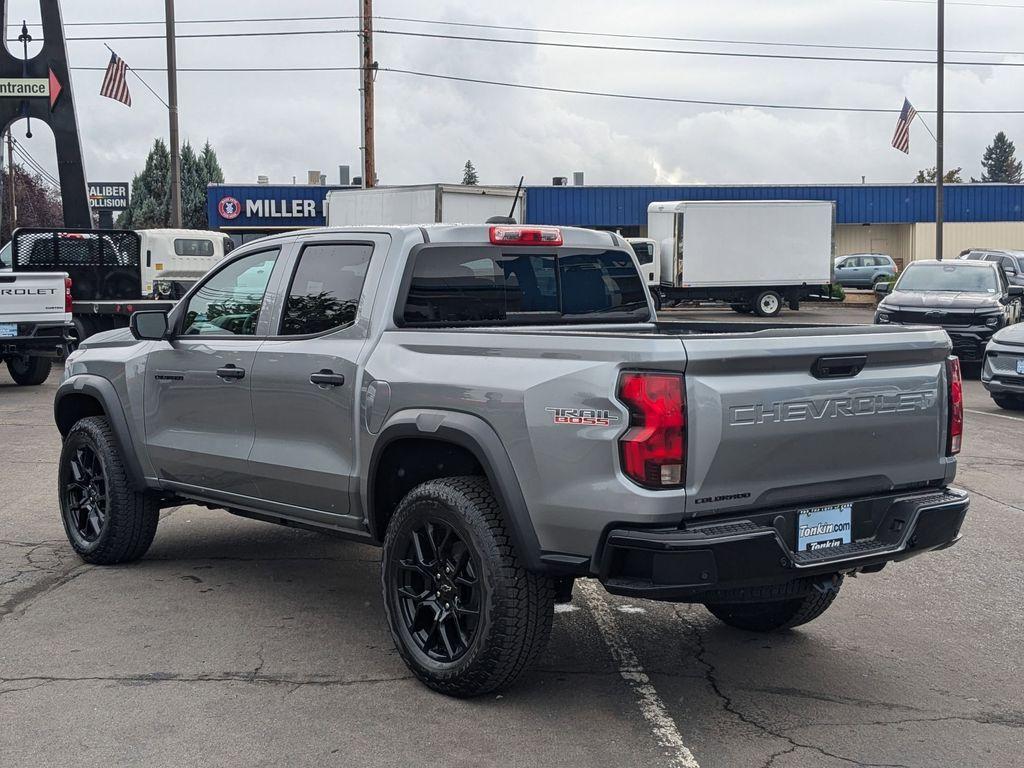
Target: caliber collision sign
{"type": "Point", "coordinates": [108, 195]}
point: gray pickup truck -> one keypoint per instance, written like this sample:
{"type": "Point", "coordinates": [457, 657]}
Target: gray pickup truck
{"type": "Point", "coordinates": [499, 409]}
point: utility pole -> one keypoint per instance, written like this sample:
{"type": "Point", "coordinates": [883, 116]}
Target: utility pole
{"type": "Point", "coordinates": [939, 107]}
{"type": "Point", "coordinates": [368, 69]}
{"type": "Point", "coordinates": [172, 102]}
{"type": "Point", "coordinates": [10, 181]}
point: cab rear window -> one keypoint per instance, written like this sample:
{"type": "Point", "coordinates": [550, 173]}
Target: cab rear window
{"type": "Point", "coordinates": [490, 286]}
{"type": "Point", "coordinates": [193, 246]}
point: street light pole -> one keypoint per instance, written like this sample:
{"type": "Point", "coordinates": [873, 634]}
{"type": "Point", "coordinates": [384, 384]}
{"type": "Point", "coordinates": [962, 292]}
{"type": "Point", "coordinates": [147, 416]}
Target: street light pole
{"type": "Point", "coordinates": [939, 106]}
{"type": "Point", "coordinates": [172, 103]}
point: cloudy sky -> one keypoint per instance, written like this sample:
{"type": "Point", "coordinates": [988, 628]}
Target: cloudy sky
{"type": "Point", "coordinates": [281, 124]}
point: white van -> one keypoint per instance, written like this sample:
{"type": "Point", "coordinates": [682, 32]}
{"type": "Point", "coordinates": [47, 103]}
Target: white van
{"type": "Point", "coordinates": [174, 259]}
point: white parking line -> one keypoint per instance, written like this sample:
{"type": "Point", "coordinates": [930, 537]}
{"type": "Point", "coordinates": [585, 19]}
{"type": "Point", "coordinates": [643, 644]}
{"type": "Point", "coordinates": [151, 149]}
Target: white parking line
{"type": "Point", "coordinates": [663, 727]}
{"type": "Point", "coordinates": [994, 415]}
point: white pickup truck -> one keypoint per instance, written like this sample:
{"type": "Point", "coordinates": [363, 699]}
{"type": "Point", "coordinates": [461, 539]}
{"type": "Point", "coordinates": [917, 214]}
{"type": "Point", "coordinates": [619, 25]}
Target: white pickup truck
{"type": "Point", "coordinates": [35, 321]}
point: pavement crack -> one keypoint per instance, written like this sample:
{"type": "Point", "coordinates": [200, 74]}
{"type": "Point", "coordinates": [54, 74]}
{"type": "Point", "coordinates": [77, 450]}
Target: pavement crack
{"type": "Point", "coordinates": [711, 676]}
{"type": "Point", "coordinates": [20, 601]}
{"type": "Point", "coordinates": [167, 677]}
{"type": "Point", "coordinates": [259, 664]}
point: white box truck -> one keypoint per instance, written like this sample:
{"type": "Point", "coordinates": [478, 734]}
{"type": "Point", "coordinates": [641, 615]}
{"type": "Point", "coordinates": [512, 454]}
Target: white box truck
{"type": "Point", "coordinates": [753, 255]}
{"type": "Point", "coordinates": [422, 204]}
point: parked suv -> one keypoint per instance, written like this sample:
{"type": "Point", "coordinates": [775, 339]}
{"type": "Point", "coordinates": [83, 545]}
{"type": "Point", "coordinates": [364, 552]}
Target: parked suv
{"type": "Point", "coordinates": [497, 408]}
{"type": "Point", "coordinates": [971, 300]}
{"type": "Point", "coordinates": [1003, 371]}
{"type": "Point", "coordinates": [1012, 262]}
{"type": "Point", "coordinates": [863, 270]}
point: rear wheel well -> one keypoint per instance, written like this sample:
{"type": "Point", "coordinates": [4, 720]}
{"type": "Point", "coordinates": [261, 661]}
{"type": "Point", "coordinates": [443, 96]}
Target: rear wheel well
{"type": "Point", "coordinates": [74, 407]}
{"type": "Point", "coordinates": [407, 462]}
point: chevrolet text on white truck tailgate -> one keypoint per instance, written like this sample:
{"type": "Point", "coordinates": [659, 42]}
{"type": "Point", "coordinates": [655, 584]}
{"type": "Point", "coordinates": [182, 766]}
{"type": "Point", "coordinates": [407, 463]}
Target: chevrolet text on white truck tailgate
{"type": "Point", "coordinates": [499, 408]}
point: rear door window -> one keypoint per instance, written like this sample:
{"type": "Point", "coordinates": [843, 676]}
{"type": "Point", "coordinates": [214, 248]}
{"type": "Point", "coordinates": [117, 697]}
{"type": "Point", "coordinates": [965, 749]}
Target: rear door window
{"type": "Point", "coordinates": [325, 288]}
{"type": "Point", "coordinates": [480, 286]}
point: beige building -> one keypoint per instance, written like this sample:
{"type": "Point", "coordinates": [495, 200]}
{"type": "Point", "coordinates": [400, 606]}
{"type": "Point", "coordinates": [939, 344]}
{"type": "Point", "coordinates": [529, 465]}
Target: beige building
{"type": "Point", "coordinates": [907, 242]}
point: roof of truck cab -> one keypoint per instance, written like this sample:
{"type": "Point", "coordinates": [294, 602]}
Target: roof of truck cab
{"type": "Point", "coordinates": [455, 233]}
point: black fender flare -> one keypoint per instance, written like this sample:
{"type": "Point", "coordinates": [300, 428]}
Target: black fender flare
{"type": "Point", "coordinates": [104, 393]}
{"type": "Point", "coordinates": [477, 437]}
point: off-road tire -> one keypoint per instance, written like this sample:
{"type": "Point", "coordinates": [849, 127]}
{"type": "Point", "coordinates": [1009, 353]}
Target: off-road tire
{"type": "Point", "coordinates": [132, 516]}
{"type": "Point", "coordinates": [1008, 402]}
{"type": "Point", "coordinates": [516, 606]}
{"type": "Point", "coordinates": [774, 615]}
{"type": "Point", "coordinates": [29, 371]}
{"type": "Point", "coordinates": [767, 304]}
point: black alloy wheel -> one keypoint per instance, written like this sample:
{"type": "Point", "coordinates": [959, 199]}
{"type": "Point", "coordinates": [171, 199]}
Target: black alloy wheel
{"type": "Point", "coordinates": [86, 501]}
{"type": "Point", "coordinates": [437, 590]}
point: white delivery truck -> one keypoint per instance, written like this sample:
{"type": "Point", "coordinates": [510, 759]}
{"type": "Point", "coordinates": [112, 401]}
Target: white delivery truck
{"type": "Point", "coordinates": [174, 259]}
{"type": "Point", "coordinates": [421, 204]}
{"type": "Point", "coordinates": [752, 255]}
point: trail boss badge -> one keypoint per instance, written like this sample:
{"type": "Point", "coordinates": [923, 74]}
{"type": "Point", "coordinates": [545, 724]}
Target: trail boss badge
{"type": "Point", "coordinates": [584, 417]}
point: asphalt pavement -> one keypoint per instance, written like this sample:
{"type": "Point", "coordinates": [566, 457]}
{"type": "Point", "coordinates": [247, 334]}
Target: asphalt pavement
{"type": "Point", "coordinates": [239, 643]}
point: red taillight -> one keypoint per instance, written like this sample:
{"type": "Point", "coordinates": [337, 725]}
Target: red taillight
{"type": "Point", "coordinates": [68, 307]}
{"type": "Point", "coordinates": [654, 448]}
{"type": "Point", "coordinates": [526, 235]}
{"type": "Point", "coordinates": [956, 406]}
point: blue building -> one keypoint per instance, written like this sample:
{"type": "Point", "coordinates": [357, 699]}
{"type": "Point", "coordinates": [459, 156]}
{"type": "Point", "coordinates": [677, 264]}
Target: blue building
{"type": "Point", "coordinates": [248, 211]}
{"type": "Point", "coordinates": [896, 219]}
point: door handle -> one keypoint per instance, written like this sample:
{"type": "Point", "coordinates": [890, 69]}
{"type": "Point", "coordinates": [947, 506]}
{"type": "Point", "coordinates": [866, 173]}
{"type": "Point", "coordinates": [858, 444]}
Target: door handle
{"type": "Point", "coordinates": [231, 371]}
{"type": "Point", "coordinates": [325, 377]}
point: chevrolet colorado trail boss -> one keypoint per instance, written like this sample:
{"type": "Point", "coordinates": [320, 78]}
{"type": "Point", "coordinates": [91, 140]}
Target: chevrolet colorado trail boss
{"type": "Point", "coordinates": [499, 409]}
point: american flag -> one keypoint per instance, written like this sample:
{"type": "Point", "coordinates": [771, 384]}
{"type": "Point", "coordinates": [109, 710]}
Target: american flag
{"type": "Point", "coordinates": [901, 139]}
{"type": "Point", "coordinates": [115, 84]}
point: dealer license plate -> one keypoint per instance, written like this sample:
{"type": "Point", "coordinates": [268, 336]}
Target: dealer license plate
{"type": "Point", "coordinates": [1020, 366]}
{"type": "Point", "coordinates": [823, 527]}
{"type": "Point", "coordinates": [8, 329]}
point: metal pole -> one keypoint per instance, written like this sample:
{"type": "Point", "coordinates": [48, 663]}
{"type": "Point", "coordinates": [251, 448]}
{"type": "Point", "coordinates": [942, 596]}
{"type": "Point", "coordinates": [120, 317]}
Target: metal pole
{"type": "Point", "coordinates": [172, 99]}
{"type": "Point", "coordinates": [10, 181]}
{"type": "Point", "coordinates": [368, 71]}
{"type": "Point", "coordinates": [939, 106]}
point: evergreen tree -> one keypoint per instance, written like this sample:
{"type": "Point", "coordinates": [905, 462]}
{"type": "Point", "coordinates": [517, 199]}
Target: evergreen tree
{"type": "Point", "coordinates": [927, 176]}
{"type": "Point", "coordinates": [151, 189]}
{"type": "Point", "coordinates": [193, 190]}
{"type": "Point", "coordinates": [211, 167]}
{"type": "Point", "coordinates": [469, 174]}
{"type": "Point", "coordinates": [998, 163]}
{"type": "Point", "coordinates": [150, 202]}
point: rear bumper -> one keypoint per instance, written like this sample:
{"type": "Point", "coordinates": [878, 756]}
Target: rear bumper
{"type": "Point", "coordinates": [729, 560]}
{"type": "Point", "coordinates": [38, 340]}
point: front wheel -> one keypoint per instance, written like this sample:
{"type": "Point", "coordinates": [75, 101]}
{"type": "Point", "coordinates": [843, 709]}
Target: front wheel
{"type": "Point", "coordinates": [29, 371]}
{"type": "Point", "coordinates": [767, 304]}
{"type": "Point", "coordinates": [774, 615]}
{"type": "Point", "coordinates": [465, 614]}
{"type": "Point", "coordinates": [106, 520]}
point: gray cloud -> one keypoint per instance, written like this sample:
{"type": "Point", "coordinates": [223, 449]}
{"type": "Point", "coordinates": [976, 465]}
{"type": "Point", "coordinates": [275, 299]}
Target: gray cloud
{"type": "Point", "coordinates": [284, 124]}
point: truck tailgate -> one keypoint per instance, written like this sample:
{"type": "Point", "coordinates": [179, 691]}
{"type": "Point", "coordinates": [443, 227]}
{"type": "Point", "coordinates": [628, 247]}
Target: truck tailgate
{"type": "Point", "coordinates": [769, 426]}
{"type": "Point", "coordinates": [32, 297]}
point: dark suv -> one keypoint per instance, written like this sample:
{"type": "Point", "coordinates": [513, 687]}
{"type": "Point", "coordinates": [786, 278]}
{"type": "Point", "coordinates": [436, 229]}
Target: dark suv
{"type": "Point", "coordinates": [1012, 262]}
{"type": "Point", "coordinates": [969, 299]}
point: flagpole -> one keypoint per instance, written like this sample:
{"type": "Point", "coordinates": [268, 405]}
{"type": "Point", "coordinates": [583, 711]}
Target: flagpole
{"type": "Point", "coordinates": [939, 106]}
{"type": "Point", "coordinates": [918, 116]}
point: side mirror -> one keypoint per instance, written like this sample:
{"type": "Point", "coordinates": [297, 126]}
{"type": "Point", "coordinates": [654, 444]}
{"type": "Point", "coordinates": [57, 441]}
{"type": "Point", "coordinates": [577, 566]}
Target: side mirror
{"type": "Point", "coordinates": [150, 325]}
{"type": "Point", "coordinates": [881, 289]}
{"type": "Point", "coordinates": [1016, 290]}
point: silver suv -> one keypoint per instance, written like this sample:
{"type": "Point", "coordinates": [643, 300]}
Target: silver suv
{"type": "Point", "coordinates": [863, 270]}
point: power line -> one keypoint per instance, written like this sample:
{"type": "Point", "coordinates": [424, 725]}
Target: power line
{"type": "Point", "coordinates": [557, 44]}
{"type": "Point", "coordinates": [572, 91]}
{"type": "Point", "coordinates": [34, 164]}
{"type": "Point", "coordinates": [572, 32]}
{"type": "Point", "coordinates": [702, 102]}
